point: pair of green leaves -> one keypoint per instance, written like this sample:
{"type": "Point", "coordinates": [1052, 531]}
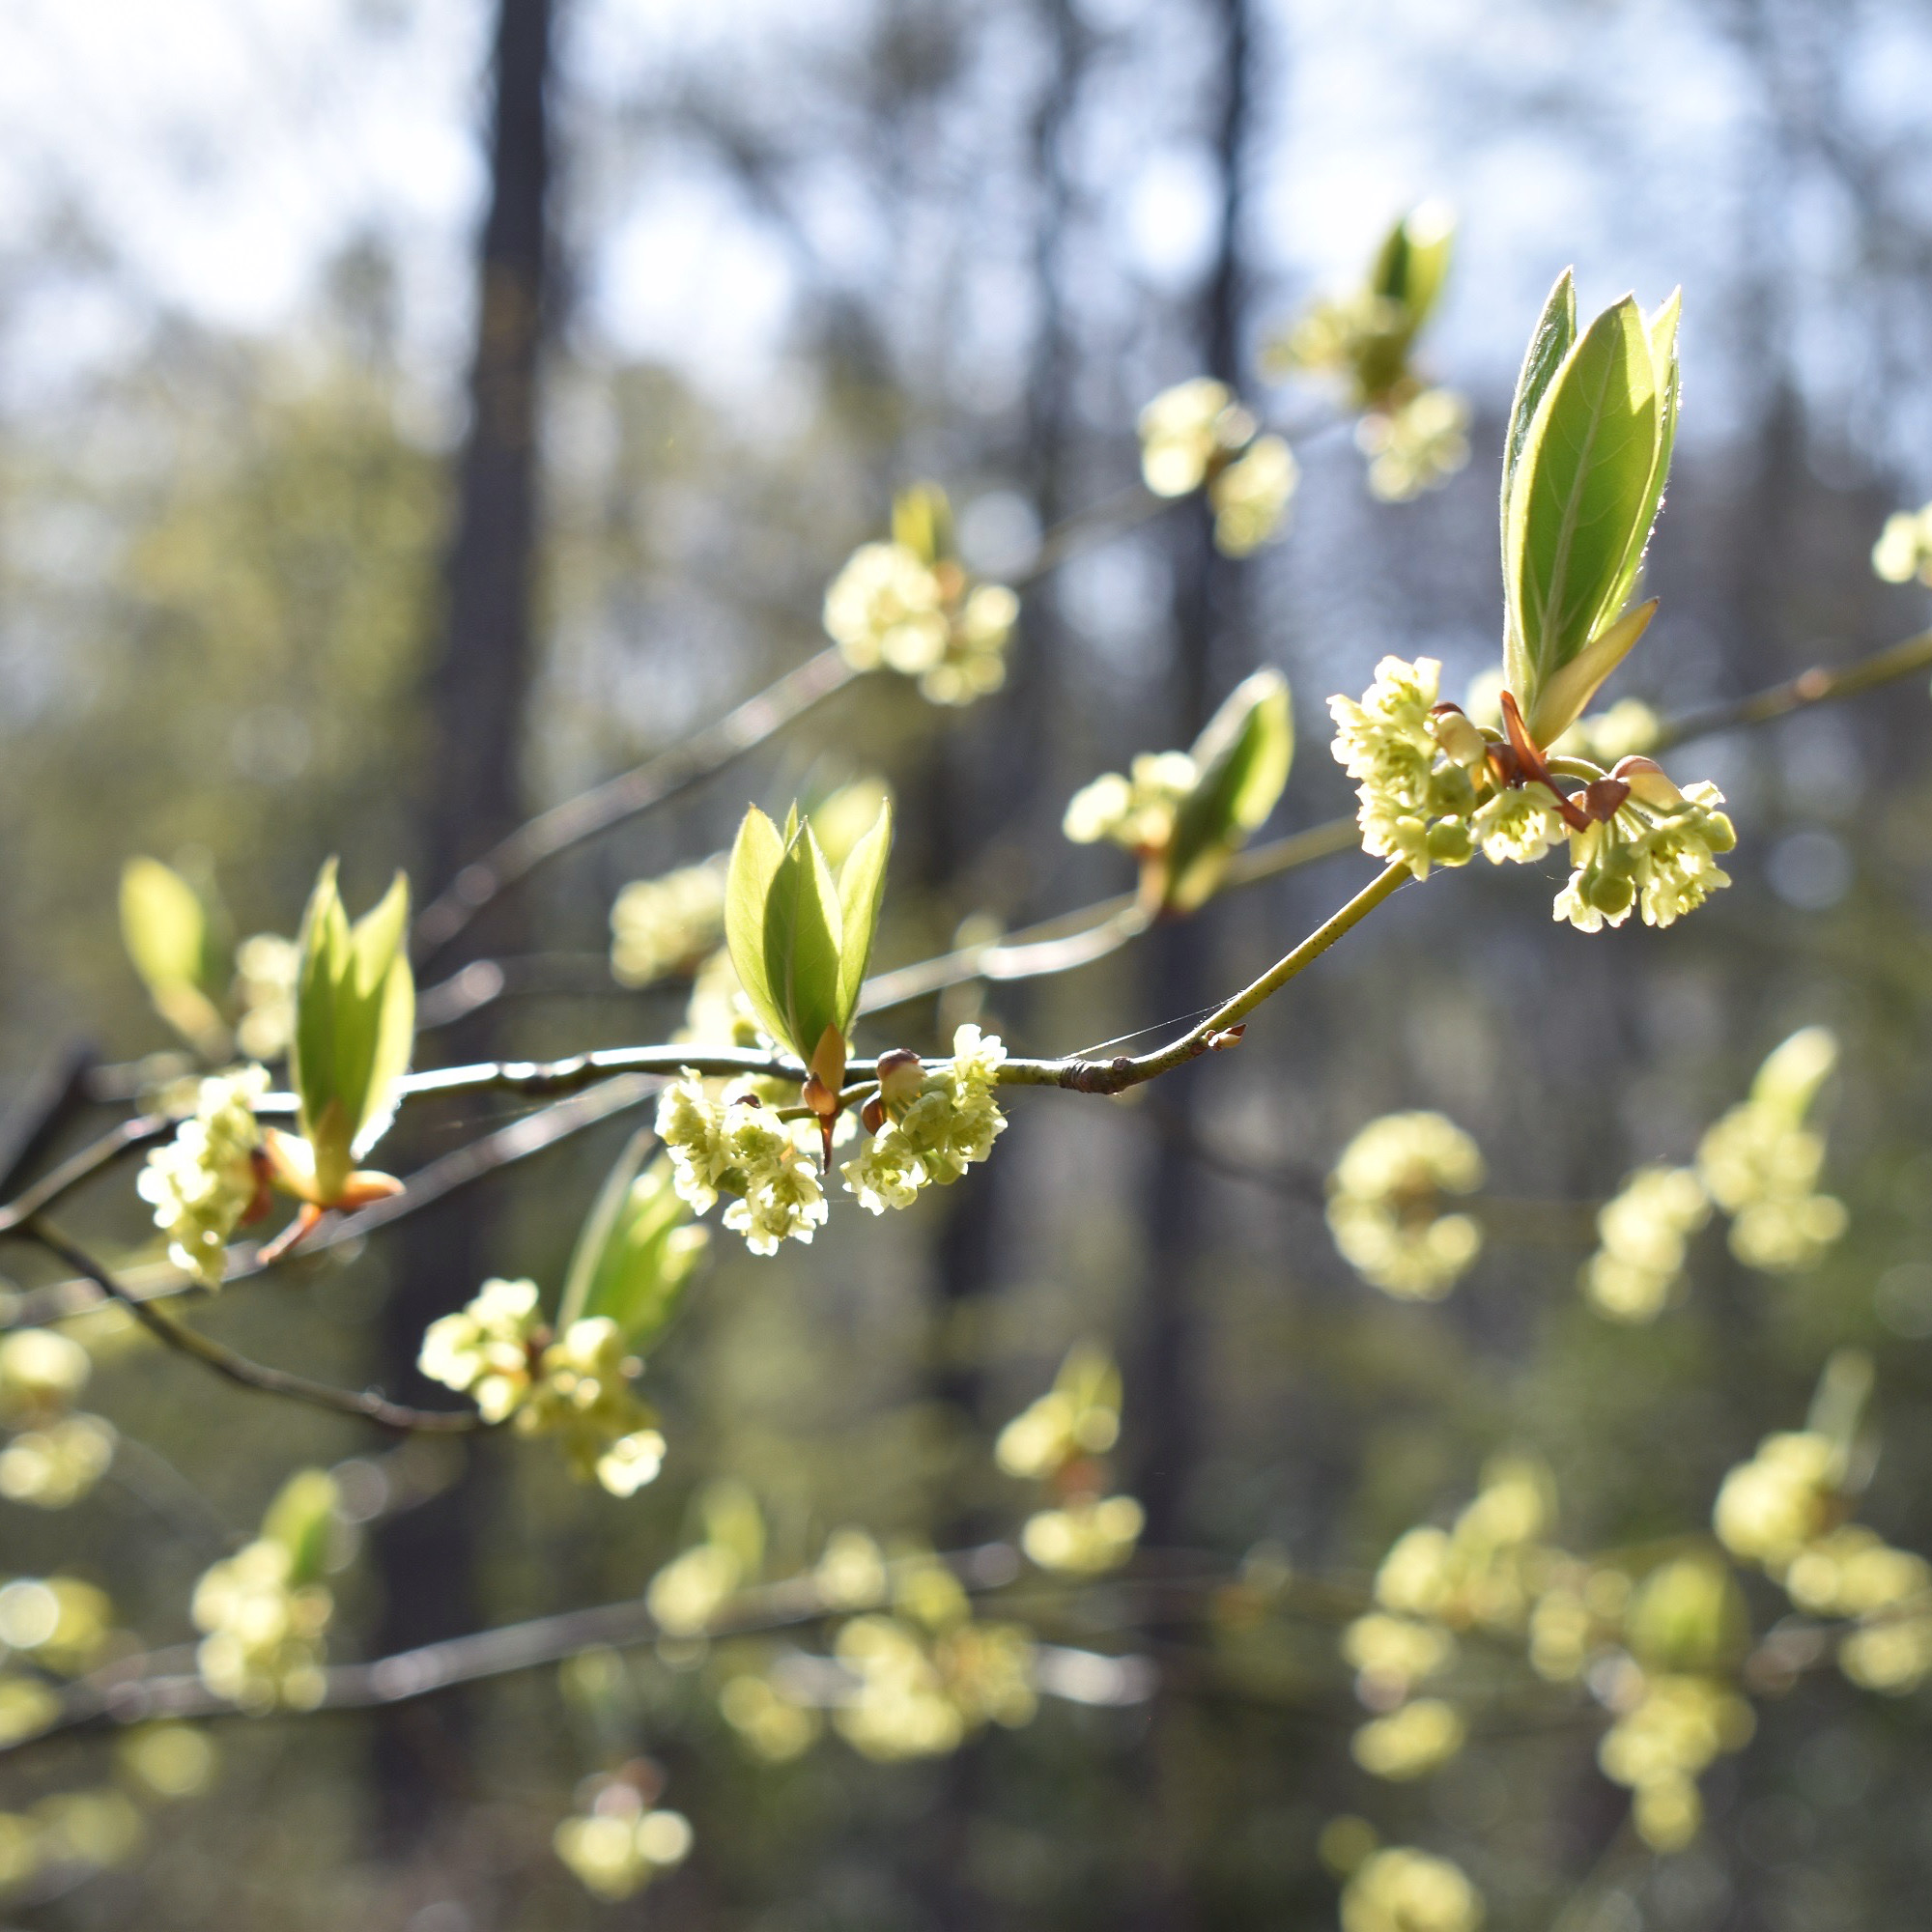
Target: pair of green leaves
{"type": "Point", "coordinates": [636, 1253]}
{"type": "Point", "coordinates": [176, 937]}
{"type": "Point", "coordinates": [356, 1023]}
{"type": "Point", "coordinates": [1407, 280]}
{"type": "Point", "coordinates": [800, 936]}
{"type": "Point", "coordinates": [1585, 465]}
{"type": "Point", "coordinates": [1242, 758]}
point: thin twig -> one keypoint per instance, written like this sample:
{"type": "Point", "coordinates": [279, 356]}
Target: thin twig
{"type": "Point", "coordinates": [463, 1167]}
{"type": "Point", "coordinates": [236, 1368]}
{"type": "Point", "coordinates": [1817, 686]}
{"type": "Point", "coordinates": [651, 783]}
{"type": "Point", "coordinates": [116, 1698]}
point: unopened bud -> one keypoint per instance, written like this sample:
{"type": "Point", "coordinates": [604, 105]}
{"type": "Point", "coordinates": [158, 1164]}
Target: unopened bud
{"type": "Point", "coordinates": [1460, 739]}
{"type": "Point", "coordinates": [901, 1079]}
{"type": "Point", "coordinates": [1647, 783]}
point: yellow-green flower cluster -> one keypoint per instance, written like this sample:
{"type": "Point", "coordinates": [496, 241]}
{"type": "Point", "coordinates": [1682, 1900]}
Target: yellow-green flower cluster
{"type": "Point", "coordinates": [576, 1387]}
{"type": "Point", "coordinates": [1385, 1203]}
{"type": "Point", "coordinates": [735, 1145]}
{"type": "Point", "coordinates": [775, 1727]}
{"type": "Point", "coordinates": [42, 1374]}
{"type": "Point", "coordinates": [1415, 445]}
{"type": "Point", "coordinates": [1669, 1727]}
{"type": "Point", "coordinates": [583, 1395]}
{"type": "Point", "coordinates": [1904, 547]}
{"type": "Point", "coordinates": [67, 1835]}
{"type": "Point", "coordinates": [618, 1844]}
{"type": "Point", "coordinates": [1787, 1496]}
{"type": "Point", "coordinates": [1135, 811]}
{"type": "Point", "coordinates": [264, 1646]}
{"type": "Point", "coordinates": [1401, 1890]}
{"type": "Point", "coordinates": [1784, 1511]}
{"type": "Point", "coordinates": [1484, 1573]}
{"type": "Point", "coordinates": [58, 1461]}
{"type": "Point", "coordinates": [1643, 1234]}
{"type": "Point", "coordinates": [934, 1132]}
{"type": "Point", "coordinates": [889, 606]}
{"type": "Point", "coordinates": [928, 1676]}
{"type": "Point", "coordinates": [1188, 432]}
{"type": "Point", "coordinates": [54, 1457]}
{"type": "Point", "coordinates": [488, 1349]}
{"type": "Point", "coordinates": [1761, 1164]}
{"type": "Point", "coordinates": [1078, 1418]}
{"type": "Point", "coordinates": [1416, 800]}
{"type": "Point", "coordinates": [1086, 1537]}
{"type": "Point", "coordinates": [56, 1623]}
{"type": "Point", "coordinates": [664, 925]}
{"type": "Point", "coordinates": [1659, 853]}
{"type": "Point", "coordinates": [201, 1183]}
{"type": "Point", "coordinates": [1197, 434]}
{"type": "Point", "coordinates": [265, 989]}
{"type": "Point", "coordinates": [1250, 497]}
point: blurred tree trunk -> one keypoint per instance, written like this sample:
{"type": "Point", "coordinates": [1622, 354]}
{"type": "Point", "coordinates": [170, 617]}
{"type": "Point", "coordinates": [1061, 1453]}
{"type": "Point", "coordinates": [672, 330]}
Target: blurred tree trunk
{"type": "Point", "coordinates": [1164, 1401]}
{"type": "Point", "coordinates": [477, 694]}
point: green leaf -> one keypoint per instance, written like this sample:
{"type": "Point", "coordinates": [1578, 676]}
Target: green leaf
{"type": "Point", "coordinates": [1243, 758]}
{"type": "Point", "coordinates": [923, 522]}
{"type": "Point", "coordinates": [1662, 330]}
{"type": "Point", "coordinates": [747, 884]}
{"type": "Point", "coordinates": [1580, 491]}
{"type": "Point", "coordinates": [385, 991]}
{"type": "Point", "coordinates": [162, 924]}
{"type": "Point", "coordinates": [1413, 261]}
{"type": "Point", "coordinates": [1551, 339]}
{"type": "Point", "coordinates": [169, 937]}
{"type": "Point", "coordinates": [636, 1253]}
{"type": "Point", "coordinates": [1562, 699]}
{"type": "Point", "coordinates": [862, 889]}
{"type": "Point", "coordinates": [354, 1025]}
{"type": "Point", "coordinates": [325, 943]}
{"type": "Point", "coordinates": [302, 1518]}
{"type": "Point", "coordinates": [803, 966]}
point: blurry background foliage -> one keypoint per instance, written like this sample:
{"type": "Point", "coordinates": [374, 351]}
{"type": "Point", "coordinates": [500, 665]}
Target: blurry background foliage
{"type": "Point", "coordinates": [811, 255]}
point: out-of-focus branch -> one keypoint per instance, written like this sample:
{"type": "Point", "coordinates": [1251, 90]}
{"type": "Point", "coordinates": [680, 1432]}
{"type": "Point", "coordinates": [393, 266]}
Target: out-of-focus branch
{"type": "Point", "coordinates": [1816, 686]}
{"type": "Point", "coordinates": [651, 783]}
{"type": "Point", "coordinates": [236, 1368]}
{"type": "Point", "coordinates": [115, 1696]}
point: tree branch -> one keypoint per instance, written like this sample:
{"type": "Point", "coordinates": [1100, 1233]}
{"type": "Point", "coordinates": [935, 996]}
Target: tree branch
{"type": "Point", "coordinates": [236, 1368]}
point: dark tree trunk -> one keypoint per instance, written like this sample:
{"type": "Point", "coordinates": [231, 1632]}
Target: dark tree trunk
{"type": "Point", "coordinates": [476, 696]}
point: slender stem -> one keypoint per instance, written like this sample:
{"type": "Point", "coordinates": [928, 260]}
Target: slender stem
{"type": "Point", "coordinates": [651, 783]}
{"type": "Point", "coordinates": [1817, 686]}
{"type": "Point", "coordinates": [143, 1131]}
{"type": "Point", "coordinates": [1125, 1070]}
{"type": "Point", "coordinates": [246, 1374]}
{"type": "Point", "coordinates": [410, 1674]}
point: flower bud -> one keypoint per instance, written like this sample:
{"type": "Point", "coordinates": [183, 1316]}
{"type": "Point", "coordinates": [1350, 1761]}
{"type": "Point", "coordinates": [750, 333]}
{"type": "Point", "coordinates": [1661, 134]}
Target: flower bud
{"type": "Point", "coordinates": [1648, 783]}
{"type": "Point", "coordinates": [902, 1080]}
{"type": "Point", "coordinates": [1459, 737]}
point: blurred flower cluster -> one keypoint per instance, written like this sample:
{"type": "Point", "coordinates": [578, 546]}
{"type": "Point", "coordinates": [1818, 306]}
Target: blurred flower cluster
{"type": "Point", "coordinates": [54, 1454]}
{"type": "Point", "coordinates": [616, 1841]}
{"type": "Point", "coordinates": [1904, 547]}
{"type": "Point", "coordinates": [1386, 1204]}
{"type": "Point", "coordinates": [668, 925]}
{"type": "Point", "coordinates": [1759, 1164]}
{"type": "Point", "coordinates": [265, 1610]}
{"type": "Point", "coordinates": [1197, 435]}
{"type": "Point", "coordinates": [1061, 1444]}
{"type": "Point", "coordinates": [576, 1386]}
{"type": "Point", "coordinates": [910, 606]}
{"type": "Point", "coordinates": [204, 1182]}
